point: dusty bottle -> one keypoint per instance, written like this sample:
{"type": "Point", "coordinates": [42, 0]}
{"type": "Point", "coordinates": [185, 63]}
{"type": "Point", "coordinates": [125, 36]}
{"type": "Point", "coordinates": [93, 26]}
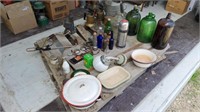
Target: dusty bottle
{"type": "Point", "coordinates": [147, 28]}
{"type": "Point", "coordinates": [105, 42]}
{"type": "Point", "coordinates": [111, 41]}
{"type": "Point", "coordinates": [65, 67]}
{"type": "Point", "coordinates": [94, 39]}
{"type": "Point", "coordinates": [108, 26]}
{"type": "Point", "coordinates": [163, 32]}
{"type": "Point", "coordinates": [133, 18]}
{"type": "Point", "coordinates": [100, 38]}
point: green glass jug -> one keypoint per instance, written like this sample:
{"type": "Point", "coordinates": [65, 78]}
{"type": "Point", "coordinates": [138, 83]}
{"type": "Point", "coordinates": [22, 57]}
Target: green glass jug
{"type": "Point", "coordinates": [133, 18]}
{"type": "Point", "coordinates": [147, 28]}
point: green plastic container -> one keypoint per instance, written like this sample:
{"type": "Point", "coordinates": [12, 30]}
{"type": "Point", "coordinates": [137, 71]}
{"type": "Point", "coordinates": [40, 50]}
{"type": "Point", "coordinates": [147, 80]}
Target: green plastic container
{"type": "Point", "coordinates": [88, 60]}
{"type": "Point", "coordinates": [147, 28]}
{"type": "Point", "coordinates": [133, 18]}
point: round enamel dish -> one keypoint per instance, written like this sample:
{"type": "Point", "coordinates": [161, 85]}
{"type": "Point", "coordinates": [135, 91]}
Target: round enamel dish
{"type": "Point", "coordinates": [81, 90]}
{"type": "Point", "coordinates": [143, 58]}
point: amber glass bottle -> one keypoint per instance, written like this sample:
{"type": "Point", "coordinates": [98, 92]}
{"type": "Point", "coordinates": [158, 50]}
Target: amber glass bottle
{"type": "Point", "coordinates": [163, 32]}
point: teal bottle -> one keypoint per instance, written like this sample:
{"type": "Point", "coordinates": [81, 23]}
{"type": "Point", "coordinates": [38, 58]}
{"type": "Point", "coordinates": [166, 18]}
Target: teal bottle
{"type": "Point", "coordinates": [147, 28]}
{"type": "Point", "coordinates": [133, 18]}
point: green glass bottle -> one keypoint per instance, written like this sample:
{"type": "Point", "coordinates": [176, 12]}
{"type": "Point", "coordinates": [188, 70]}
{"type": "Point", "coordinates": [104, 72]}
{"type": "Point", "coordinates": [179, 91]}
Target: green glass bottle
{"type": "Point", "coordinates": [147, 28]}
{"type": "Point", "coordinates": [108, 26]}
{"type": "Point", "coordinates": [133, 18]}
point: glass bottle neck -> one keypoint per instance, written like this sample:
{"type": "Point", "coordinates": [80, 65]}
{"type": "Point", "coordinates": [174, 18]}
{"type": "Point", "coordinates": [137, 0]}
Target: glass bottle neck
{"type": "Point", "coordinates": [168, 16]}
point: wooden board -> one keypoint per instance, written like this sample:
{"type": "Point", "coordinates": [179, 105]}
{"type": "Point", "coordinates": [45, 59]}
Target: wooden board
{"type": "Point", "coordinates": [107, 94]}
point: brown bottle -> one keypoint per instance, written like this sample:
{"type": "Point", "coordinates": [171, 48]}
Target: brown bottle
{"type": "Point", "coordinates": [163, 32]}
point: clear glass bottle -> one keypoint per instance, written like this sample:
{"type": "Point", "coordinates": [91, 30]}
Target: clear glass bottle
{"type": "Point", "coordinates": [147, 28]}
{"type": "Point", "coordinates": [163, 32]}
{"type": "Point", "coordinates": [133, 18]}
{"type": "Point", "coordinates": [94, 39]}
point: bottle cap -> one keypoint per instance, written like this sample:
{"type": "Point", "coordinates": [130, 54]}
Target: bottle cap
{"type": "Point", "coordinates": [94, 33]}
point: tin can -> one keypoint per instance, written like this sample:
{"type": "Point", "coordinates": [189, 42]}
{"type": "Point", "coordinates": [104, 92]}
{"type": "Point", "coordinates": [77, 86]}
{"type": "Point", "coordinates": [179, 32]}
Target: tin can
{"type": "Point", "coordinates": [122, 33]}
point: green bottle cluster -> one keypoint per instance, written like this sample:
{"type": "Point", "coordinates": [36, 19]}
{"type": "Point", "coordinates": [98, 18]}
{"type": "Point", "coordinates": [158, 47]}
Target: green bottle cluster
{"type": "Point", "coordinates": [133, 18]}
{"type": "Point", "coordinates": [147, 28]}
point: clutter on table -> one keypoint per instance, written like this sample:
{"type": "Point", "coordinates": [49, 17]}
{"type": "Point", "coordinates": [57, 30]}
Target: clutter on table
{"type": "Point", "coordinates": [101, 52]}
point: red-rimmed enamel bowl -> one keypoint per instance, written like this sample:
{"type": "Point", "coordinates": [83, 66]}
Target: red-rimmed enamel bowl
{"type": "Point", "coordinates": [143, 58]}
{"type": "Point", "coordinates": [81, 90]}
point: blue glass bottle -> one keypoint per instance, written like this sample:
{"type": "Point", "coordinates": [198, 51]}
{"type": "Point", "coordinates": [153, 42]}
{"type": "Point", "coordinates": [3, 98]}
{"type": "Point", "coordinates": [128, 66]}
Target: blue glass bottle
{"type": "Point", "coordinates": [100, 38]}
{"type": "Point", "coordinates": [99, 41]}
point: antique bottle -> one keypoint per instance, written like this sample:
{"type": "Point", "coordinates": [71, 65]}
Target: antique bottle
{"type": "Point", "coordinates": [100, 38]}
{"type": "Point", "coordinates": [108, 26]}
{"type": "Point", "coordinates": [147, 28]}
{"type": "Point", "coordinates": [133, 18]}
{"type": "Point", "coordinates": [111, 41]}
{"type": "Point", "coordinates": [95, 39]}
{"type": "Point", "coordinates": [163, 32]}
{"type": "Point", "coordinates": [105, 43]}
{"type": "Point", "coordinates": [65, 67]}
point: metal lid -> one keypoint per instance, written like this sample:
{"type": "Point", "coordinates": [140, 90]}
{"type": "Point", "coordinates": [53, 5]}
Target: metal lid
{"type": "Point", "coordinates": [123, 24]}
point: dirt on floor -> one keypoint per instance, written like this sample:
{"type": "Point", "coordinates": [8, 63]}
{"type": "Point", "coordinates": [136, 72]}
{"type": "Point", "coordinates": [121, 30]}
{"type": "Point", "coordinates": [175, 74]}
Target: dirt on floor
{"type": "Point", "coordinates": [189, 98]}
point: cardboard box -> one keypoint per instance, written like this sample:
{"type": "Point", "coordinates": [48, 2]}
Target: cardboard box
{"type": "Point", "coordinates": [56, 9]}
{"type": "Point", "coordinates": [177, 6]}
{"type": "Point", "coordinates": [71, 4]}
{"type": "Point", "coordinates": [18, 17]}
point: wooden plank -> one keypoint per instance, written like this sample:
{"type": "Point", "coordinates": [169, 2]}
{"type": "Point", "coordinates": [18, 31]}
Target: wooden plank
{"type": "Point", "coordinates": [83, 32]}
{"type": "Point", "coordinates": [63, 40]}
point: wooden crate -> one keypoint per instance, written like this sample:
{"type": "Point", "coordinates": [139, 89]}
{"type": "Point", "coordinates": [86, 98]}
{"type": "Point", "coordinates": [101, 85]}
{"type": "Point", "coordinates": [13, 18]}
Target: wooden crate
{"type": "Point", "coordinates": [56, 9]}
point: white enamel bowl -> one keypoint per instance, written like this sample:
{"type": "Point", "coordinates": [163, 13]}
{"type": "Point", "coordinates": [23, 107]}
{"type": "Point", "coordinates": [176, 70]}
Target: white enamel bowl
{"type": "Point", "coordinates": [143, 58]}
{"type": "Point", "coordinates": [81, 91]}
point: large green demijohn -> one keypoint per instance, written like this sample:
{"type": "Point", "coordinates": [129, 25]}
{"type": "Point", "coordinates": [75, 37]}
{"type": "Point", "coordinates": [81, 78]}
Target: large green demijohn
{"type": "Point", "coordinates": [133, 18]}
{"type": "Point", "coordinates": [147, 28]}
